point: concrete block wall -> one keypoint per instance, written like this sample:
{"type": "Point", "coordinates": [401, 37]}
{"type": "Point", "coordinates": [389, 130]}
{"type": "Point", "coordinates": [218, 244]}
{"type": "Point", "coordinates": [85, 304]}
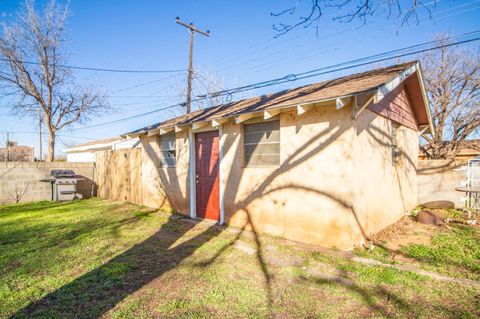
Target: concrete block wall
{"type": "Point", "coordinates": [437, 180]}
{"type": "Point", "coordinates": [27, 175]}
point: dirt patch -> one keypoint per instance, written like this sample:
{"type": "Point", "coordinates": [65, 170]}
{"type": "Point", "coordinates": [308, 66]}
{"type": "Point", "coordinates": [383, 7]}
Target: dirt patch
{"type": "Point", "coordinates": [405, 232]}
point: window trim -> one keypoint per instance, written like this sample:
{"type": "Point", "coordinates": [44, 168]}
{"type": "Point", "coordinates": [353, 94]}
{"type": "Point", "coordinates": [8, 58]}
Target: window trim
{"type": "Point", "coordinates": [162, 151]}
{"type": "Point", "coordinates": [261, 121]}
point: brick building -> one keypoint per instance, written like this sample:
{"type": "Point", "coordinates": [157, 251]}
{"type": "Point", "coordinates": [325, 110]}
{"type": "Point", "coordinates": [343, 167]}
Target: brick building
{"type": "Point", "coordinates": [12, 152]}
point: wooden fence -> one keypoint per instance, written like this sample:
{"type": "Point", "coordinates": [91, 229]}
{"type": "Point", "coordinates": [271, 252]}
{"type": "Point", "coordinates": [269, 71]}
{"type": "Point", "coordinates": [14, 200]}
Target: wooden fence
{"type": "Point", "coordinates": [119, 175]}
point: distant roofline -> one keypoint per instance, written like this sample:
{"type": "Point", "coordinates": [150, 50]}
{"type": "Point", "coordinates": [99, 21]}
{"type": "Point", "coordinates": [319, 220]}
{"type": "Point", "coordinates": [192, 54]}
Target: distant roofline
{"type": "Point", "coordinates": [107, 142]}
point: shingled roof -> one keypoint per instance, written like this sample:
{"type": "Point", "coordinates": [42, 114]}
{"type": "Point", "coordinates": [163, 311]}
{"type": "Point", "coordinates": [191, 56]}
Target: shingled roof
{"type": "Point", "coordinates": [341, 87]}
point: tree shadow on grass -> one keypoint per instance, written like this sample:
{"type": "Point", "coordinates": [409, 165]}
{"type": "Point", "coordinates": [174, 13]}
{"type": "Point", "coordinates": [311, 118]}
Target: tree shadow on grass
{"type": "Point", "coordinates": [98, 291]}
{"type": "Point", "coordinates": [31, 207]}
{"type": "Point", "coordinates": [385, 302]}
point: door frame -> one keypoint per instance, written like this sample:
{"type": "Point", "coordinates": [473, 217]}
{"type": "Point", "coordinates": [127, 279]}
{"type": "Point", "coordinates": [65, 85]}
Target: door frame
{"type": "Point", "coordinates": [191, 170]}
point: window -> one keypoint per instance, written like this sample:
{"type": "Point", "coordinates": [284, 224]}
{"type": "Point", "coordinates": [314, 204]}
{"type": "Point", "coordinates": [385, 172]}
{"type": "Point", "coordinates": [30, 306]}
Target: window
{"type": "Point", "coordinates": [394, 137]}
{"type": "Point", "coordinates": [261, 143]}
{"type": "Point", "coordinates": [168, 150]}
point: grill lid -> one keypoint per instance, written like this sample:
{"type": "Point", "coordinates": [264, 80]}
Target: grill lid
{"type": "Point", "coordinates": [62, 173]}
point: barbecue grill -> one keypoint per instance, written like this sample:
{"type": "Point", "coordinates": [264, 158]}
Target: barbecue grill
{"type": "Point", "coordinates": [64, 184]}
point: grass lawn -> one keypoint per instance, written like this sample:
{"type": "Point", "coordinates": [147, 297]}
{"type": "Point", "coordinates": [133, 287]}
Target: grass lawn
{"type": "Point", "coordinates": [452, 250]}
{"type": "Point", "coordinates": [96, 258]}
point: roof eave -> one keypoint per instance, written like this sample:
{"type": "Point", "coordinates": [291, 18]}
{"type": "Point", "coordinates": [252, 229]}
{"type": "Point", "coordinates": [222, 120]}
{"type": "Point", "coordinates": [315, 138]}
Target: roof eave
{"type": "Point", "coordinates": [425, 97]}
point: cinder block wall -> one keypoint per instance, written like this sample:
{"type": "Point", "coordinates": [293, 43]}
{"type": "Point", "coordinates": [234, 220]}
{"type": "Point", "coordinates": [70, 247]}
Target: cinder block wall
{"type": "Point", "coordinates": [437, 180]}
{"type": "Point", "coordinates": [27, 175]}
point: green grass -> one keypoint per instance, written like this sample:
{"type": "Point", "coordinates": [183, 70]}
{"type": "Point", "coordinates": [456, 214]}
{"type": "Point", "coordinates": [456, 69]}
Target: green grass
{"type": "Point", "coordinates": [96, 258]}
{"type": "Point", "coordinates": [455, 252]}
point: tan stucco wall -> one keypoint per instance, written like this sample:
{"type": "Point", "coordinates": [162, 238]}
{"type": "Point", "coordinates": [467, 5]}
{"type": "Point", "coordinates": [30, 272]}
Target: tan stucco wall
{"type": "Point", "coordinates": [165, 186]}
{"type": "Point", "coordinates": [301, 199]}
{"type": "Point", "coordinates": [382, 191]}
{"type": "Point", "coordinates": [336, 181]}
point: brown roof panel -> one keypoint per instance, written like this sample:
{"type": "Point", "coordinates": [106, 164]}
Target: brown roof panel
{"type": "Point", "coordinates": [343, 86]}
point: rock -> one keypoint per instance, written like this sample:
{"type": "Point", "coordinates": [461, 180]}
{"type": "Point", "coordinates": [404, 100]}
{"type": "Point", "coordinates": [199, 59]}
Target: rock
{"type": "Point", "coordinates": [439, 204]}
{"type": "Point", "coordinates": [429, 217]}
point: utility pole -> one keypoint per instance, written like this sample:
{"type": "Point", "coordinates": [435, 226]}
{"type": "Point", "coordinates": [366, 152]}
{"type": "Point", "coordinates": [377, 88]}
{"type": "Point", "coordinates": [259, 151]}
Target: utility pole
{"type": "Point", "coordinates": [8, 147]}
{"type": "Point", "coordinates": [192, 30]}
{"type": "Point", "coordinates": [40, 136]}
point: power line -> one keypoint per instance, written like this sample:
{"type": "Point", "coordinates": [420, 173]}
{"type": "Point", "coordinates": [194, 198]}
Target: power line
{"type": "Point", "coordinates": [64, 66]}
{"type": "Point", "coordinates": [46, 133]}
{"type": "Point", "coordinates": [274, 63]}
{"type": "Point", "coordinates": [312, 73]}
{"type": "Point", "coordinates": [146, 83]}
{"type": "Point", "coordinates": [129, 117]}
{"type": "Point", "coordinates": [243, 62]}
{"type": "Point", "coordinates": [307, 74]}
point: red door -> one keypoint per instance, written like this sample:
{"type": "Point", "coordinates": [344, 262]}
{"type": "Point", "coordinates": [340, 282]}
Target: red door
{"type": "Point", "coordinates": [206, 169]}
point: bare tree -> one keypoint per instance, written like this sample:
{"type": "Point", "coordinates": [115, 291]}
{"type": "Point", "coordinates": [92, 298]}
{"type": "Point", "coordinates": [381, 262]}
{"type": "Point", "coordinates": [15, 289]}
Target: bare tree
{"type": "Point", "coordinates": [205, 82]}
{"type": "Point", "coordinates": [452, 80]}
{"type": "Point", "coordinates": [33, 71]}
{"type": "Point", "coordinates": [349, 10]}
{"type": "Point", "coordinates": [18, 193]}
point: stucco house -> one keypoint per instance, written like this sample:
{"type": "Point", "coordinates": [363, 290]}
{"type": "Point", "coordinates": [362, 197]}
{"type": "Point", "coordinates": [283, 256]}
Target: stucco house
{"type": "Point", "coordinates": [327, 163]}
{"type": "Point", "coordinates": [86, 152]}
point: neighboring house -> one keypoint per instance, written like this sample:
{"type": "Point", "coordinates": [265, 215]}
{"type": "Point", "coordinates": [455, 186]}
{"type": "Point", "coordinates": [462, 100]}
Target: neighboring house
{"type": "Point", "coordinates": [86, 152]}
{"type": "Point", "coordinates": [327, 163]}
{"type": "Point", "coordinates": [469, 149]}
{"type": "Point", "coordinates": [12, 152]}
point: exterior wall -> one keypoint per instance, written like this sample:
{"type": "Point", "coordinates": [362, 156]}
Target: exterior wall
{"type": "Point", "coordinates": [336, 183]}
{"type": "Point", "coordinates": [382, 192]}
{"type": "Point", "coordinates": [165, 186]}
{"type": "Point", "coordinates": [82, 157]}
{"type": "Point", "coordinates": [301, 199]}
{"type": "Point", "coordinates": [437, 180]}
{"type": "Point", "coordinates": [27, 176]}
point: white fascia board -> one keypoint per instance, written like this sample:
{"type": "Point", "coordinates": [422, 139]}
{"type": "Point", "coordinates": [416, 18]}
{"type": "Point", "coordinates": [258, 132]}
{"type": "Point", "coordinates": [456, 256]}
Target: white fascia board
{"type": "Point", "coordinates": [268, 114]}
{"type": "Point", "coordinates": [219, 121]}
{"type": "Point", "coordinates": [341, 102]}
{"type": "Point", "coordinates": [166, 130]}
{"type": "Point", "coordinates": [425, 98]}
{"type": "Point", "coordinates": [302, 108]}
{"type": "Point", "coordinates": [180, 128]}
{"type": "Point", "coordinates": [243, 117]}
{"type": "Point", "coordinates": [388, 87]}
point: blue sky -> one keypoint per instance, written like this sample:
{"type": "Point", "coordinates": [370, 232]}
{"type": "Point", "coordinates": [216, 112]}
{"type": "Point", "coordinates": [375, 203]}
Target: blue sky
{"type": "Point", "coordinates": [241, 50]}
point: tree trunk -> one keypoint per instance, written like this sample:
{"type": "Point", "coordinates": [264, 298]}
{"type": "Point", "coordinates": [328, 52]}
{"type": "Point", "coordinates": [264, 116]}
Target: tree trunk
{"type": "Point", "coordinates": [51, 145]}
